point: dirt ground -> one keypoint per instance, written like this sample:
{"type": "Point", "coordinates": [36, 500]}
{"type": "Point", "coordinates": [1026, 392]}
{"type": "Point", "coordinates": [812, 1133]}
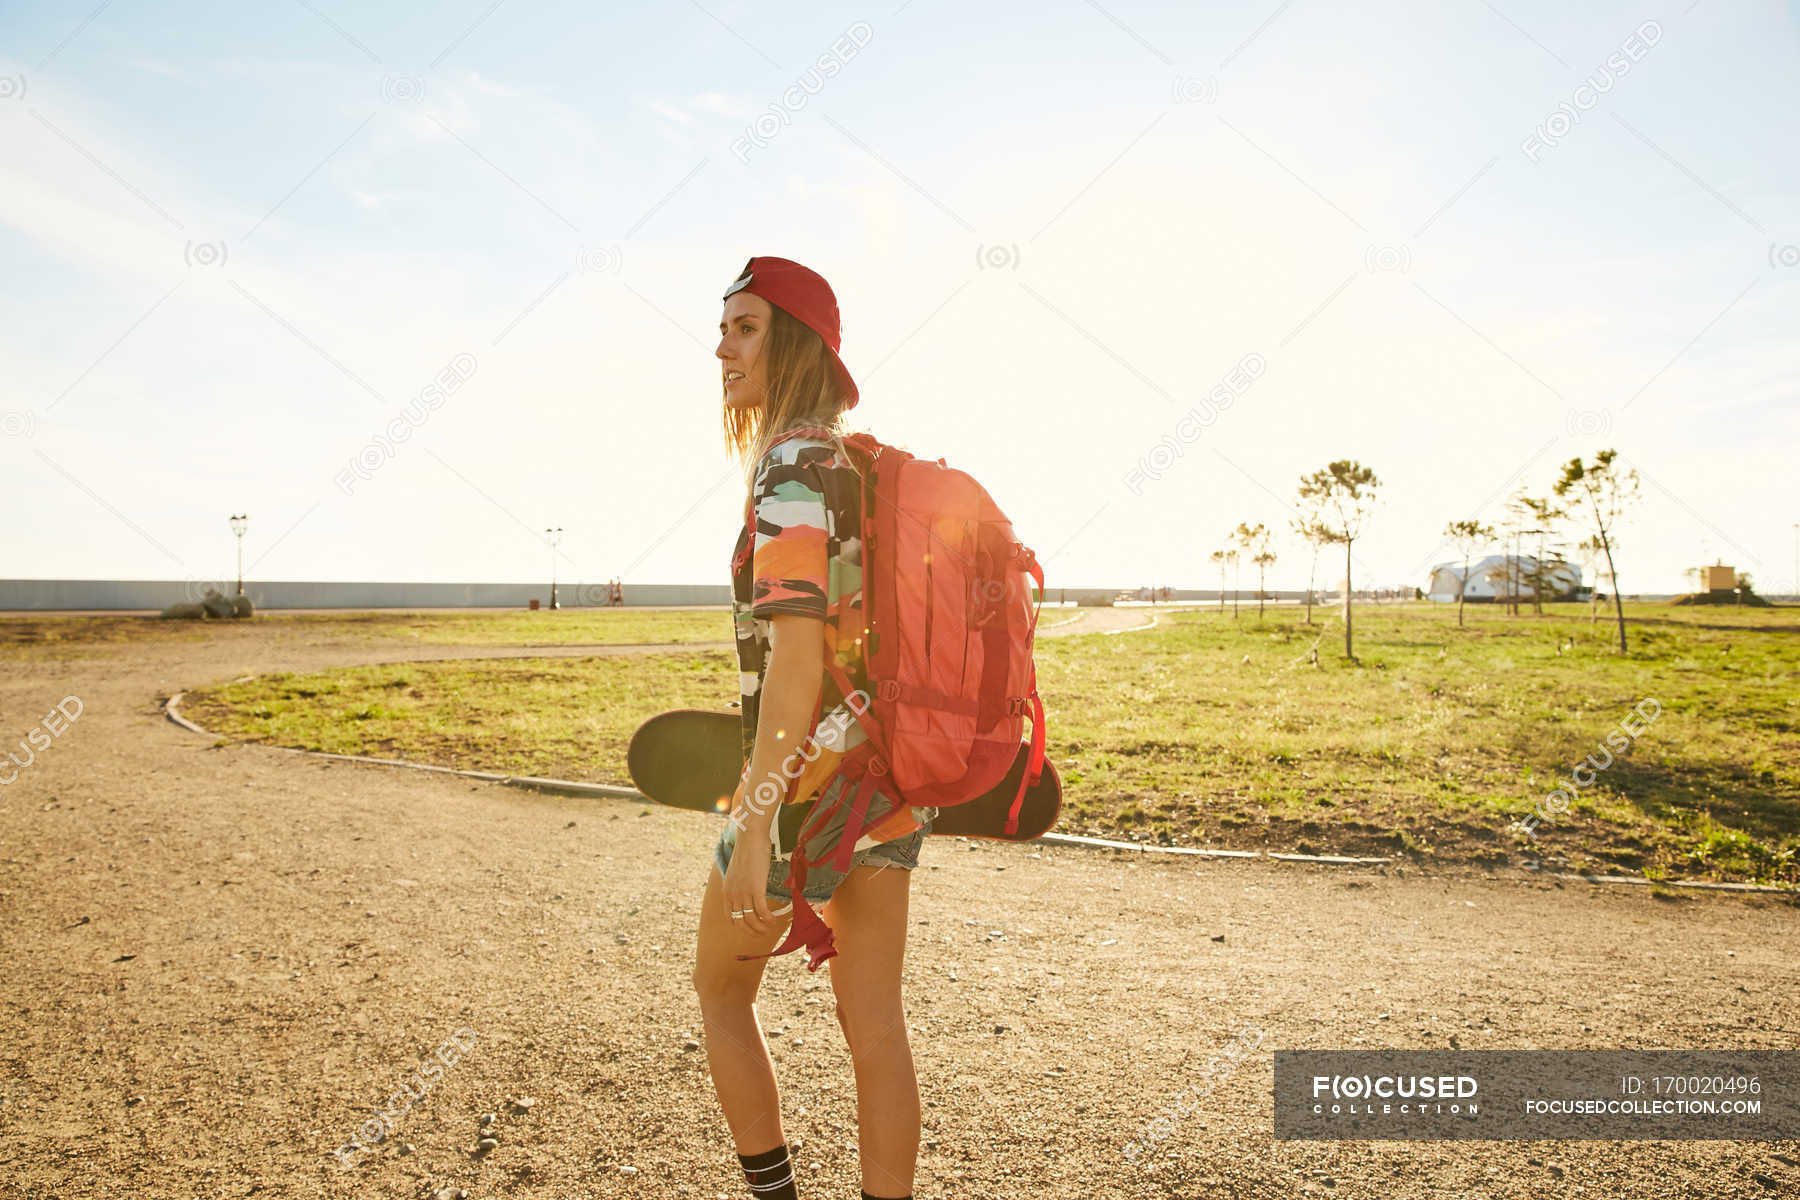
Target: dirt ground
{"type": "Point", "coordinates": [220, 961]}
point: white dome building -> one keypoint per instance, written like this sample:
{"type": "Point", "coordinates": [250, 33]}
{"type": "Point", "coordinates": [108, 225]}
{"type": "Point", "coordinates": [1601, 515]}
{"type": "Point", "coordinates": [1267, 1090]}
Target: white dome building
{"type": "Point", "coordinates": [1488, 578]}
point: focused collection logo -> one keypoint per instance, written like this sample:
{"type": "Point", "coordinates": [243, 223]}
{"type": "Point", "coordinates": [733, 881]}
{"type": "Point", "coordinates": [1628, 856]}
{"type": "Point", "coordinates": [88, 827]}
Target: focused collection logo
{"type": "Point", "coordinates": [1407, 1095]}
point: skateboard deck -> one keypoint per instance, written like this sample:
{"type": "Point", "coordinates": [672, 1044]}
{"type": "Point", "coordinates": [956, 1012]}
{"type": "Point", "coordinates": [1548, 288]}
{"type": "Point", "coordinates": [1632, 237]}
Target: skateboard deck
{"type": "Point", "coordinates": [692, 757]}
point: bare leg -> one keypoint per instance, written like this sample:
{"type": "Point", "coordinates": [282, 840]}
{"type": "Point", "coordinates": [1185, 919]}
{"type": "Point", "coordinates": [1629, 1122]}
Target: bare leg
{"type": "Point", "coordinates": [867, 915]}
{"type": "Point", "coordinates": [742, 1072]}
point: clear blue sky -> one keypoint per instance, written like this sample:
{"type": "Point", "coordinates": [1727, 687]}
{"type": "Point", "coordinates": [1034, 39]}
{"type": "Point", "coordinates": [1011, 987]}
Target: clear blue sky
{"type": "Point", "coordinates": [241, 239]}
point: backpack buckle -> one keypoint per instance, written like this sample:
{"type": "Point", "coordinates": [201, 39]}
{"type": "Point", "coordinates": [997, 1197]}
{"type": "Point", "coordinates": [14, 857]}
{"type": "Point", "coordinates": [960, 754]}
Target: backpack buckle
{"type": "Point", "coordinates": [877, 766]}
{"type": "Point", "coordinates": [1017, 705]}
{"type": "Point", "coordinates": [887, 689]}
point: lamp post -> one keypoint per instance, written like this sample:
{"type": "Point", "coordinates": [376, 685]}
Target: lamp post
{"type": "Point", "coordinates": [239, 523]}
{"type": "Point", "coordinates": [553, 536]}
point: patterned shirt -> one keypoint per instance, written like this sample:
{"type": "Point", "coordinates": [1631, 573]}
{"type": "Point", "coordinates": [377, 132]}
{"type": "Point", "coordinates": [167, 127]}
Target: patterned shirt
{"type": "Point", "coordinates": [808, 560]}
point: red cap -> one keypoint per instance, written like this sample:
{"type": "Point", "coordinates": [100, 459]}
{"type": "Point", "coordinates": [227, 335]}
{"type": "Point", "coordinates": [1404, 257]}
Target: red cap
{"type": "Point", "coordinates": [804, 295]}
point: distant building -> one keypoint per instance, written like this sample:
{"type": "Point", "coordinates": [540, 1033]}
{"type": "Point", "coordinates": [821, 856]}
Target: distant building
{"type": "Point", "coordinates": [1718, 578]}
{"type": "Point", "coordinates": [1488, 578]}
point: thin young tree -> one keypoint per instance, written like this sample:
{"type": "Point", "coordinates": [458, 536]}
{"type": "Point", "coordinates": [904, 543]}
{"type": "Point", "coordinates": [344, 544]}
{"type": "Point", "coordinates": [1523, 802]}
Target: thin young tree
{"type": "Point", "coordinates": [1338, 499]}
{"type": "Point", "coordinates": [1310, 534]}
{"type": "Point", "coordinates": [1499, 576]}
{"type": "Point", "coordinates": [1516, 520]}
{"type": "Point", "coordinates": [1469, 536]}
{"type": "Point", "coordinates": [1219, 558]}
{"type": "Point", "coordinates": [1589, 550]}
{"type": "Point", "coordinates": [1603, 491]}
{"type": "Point", "coordinates": [1545, 515]}
{"type": "Point", "coordinates": [1559, 568]}
{"type": "Point", "coordinates": [1253, 540]}
{"type": "Point", "coordinates": [1264, 559]}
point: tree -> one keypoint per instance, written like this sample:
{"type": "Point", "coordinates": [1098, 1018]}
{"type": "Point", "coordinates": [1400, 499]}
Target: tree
{"type": "Point", "coordinates": [1338, 499]}
{"type": "Point", "coordinates": [1221, 557]}
{"type": "Point", "coordinates": [1264, 560]}
{"type": "Point", "coordinates": [1514, 522]}
{"type": "Point", "coordinates": [1545, 513]}
{"type": "Point", "coordinates": [1254, 541]}
{"type": "Point", "coordinates": [1499, 576]}
{"type": "Point", "coordinates": [1606, 492]}
{"type": "Point", "coordinates": [1311, 535]}
{"type": "Point", "coordinates": [1558, 567]}
{"type": "Point", "coordinates": [1589, 550]}
{"type": "Point", "coordinates": [1469, 536]}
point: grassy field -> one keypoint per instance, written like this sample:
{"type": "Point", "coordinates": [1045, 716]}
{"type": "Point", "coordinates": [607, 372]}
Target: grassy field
{"type": "Point", "coordinates": [1439, 738]}
{"type": "Point", "coordinates": [1210, 731]}
{"type": "Point", "coordinates": [26, 636]}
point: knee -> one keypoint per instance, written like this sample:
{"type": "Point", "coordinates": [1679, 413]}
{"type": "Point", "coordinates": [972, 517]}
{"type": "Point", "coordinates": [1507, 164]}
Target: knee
{"type": "Point", "coordinates": [869, 1029]}
{"type": "Point", "coordinates": [712, 986]}
{"type": "Point", "coordinates": [718, 986]}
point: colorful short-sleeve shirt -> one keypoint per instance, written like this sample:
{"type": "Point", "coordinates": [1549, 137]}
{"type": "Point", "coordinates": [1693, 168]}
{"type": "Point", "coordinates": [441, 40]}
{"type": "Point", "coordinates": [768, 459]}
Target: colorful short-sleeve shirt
{"type": "Point", "coordinates": [807, 559]}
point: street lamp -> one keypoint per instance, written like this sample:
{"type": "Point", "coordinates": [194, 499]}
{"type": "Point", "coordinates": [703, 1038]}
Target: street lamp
{"type": "Point", "coordinates": [239, 523]}
{"type": "Point", "coordinates": [553, 536]}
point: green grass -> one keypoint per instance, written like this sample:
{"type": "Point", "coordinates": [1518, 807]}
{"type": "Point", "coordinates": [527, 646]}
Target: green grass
{"type": "Point", "coordinates": [1209, 731]}
{"type": "Point", "coordinates": [565, 718]}
{"type": "Point", "coordinates": [1438, 738]}
{"type": "Point", "coordinates": [569, 627]}
{"type": "Point", "coordinates": [32, 637]}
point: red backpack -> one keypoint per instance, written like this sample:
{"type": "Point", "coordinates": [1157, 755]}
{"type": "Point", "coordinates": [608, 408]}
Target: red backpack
{"type": "Point", "coordinates": [949, 626]}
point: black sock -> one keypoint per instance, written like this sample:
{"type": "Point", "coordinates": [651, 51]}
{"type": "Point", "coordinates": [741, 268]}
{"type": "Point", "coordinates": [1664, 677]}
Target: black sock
{"type": "Point", "coordinates": [770, 1174]}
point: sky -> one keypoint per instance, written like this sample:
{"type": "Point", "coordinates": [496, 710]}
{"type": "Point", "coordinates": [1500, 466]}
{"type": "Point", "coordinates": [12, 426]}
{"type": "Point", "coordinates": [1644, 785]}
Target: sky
{"type": "Point", "coordinates": [1458, 242]}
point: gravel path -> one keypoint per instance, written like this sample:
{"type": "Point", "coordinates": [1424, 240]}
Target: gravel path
{"type": "Point", "coordinates": [219, 961]}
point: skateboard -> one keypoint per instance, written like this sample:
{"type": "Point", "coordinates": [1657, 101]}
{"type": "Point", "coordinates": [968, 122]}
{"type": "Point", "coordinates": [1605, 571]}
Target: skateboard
{"type": "Point", "coordinates": [692, 757]}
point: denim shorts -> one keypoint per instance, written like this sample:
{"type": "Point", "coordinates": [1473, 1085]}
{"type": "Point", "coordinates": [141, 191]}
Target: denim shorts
{"type": "Point", "coordinates": [821, 879]}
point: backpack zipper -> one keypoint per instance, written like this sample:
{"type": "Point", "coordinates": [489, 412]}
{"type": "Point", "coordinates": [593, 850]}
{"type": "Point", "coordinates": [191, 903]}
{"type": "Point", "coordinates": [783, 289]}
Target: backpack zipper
{"type": "Point", "coordinates": [970, 607]}
{"type": "Point", "coordinates": [928, 538]}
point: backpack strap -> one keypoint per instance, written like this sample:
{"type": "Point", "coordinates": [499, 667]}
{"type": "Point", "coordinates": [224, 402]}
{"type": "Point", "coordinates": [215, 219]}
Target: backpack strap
{"type": "Point", "coordinates": [1034, 766]}
{"type": "Point", "coordinates": [808, 929]}
{"type": "Point", "coordinates": [858, 821]}
{"type": "Point", "coordinates": [846, 689]}
{"type": "Point", "coordinates": [924, 697]}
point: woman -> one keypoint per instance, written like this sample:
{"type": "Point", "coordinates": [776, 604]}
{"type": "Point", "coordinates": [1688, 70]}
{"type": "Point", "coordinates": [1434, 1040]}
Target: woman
{"type": "Point", "coordinates": [796, 598]}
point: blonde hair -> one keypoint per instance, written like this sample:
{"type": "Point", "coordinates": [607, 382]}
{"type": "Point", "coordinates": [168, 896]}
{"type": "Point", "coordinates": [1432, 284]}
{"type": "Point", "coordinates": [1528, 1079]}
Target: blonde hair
{"type": "Point", "coordinates": [802, 393]}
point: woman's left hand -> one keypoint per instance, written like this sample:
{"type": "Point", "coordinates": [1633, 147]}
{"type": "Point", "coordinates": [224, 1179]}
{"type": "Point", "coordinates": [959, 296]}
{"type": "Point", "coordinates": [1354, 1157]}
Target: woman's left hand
{"type": "Point", "coordinates": [747, 881]}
